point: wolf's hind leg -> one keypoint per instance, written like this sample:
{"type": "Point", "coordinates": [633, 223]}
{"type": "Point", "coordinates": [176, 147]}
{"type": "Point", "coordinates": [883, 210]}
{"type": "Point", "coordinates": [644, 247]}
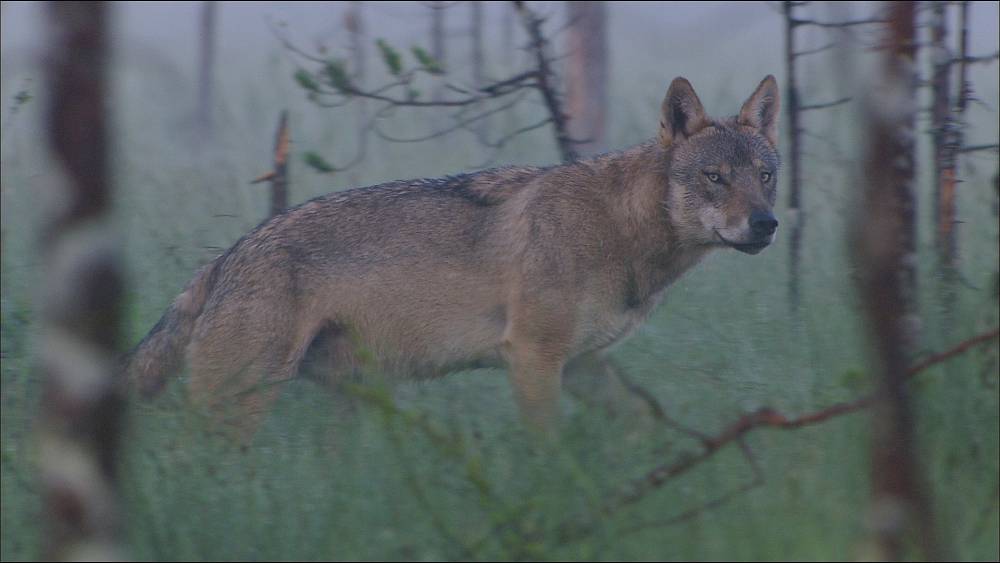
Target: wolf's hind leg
{"type": "Point", "coordinates": [236, 380]}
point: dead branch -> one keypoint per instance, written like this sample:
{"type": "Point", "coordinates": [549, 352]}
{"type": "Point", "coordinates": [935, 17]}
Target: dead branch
{"type": "Point", "coordinates": [825, 105]}
{"type": "Point", "coordinates": [978, 148]}
{"type": "Point", "coordinates": [981, 59]}
{"type": "Point", "coordinates": [817, 50]}
{"type": "Point", "coordinates": [278, 176]}
{"type": "Point", "coordinates": [836, 25]}
{"type": "Point", "coordinates": [638, 488]}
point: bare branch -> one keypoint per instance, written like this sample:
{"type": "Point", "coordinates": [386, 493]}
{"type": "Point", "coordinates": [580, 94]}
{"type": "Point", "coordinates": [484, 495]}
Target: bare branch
{"type": "Point", "coordinates": [825, 105]}
{"type": "Point", "coordinates": [807, 52]}
{"type": "Point", "coordinates": [766, 417]}
{"type": "Point", "coordinates": [977, 148]}
{"type": "Point", "coordinates": [835, 25]}
{"type": "Point", "coordinates": [981, 59]}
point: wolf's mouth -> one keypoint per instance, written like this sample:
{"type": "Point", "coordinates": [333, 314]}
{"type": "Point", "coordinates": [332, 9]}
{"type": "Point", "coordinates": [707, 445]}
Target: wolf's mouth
{"type": "Point", "coordinates": [744, 247]}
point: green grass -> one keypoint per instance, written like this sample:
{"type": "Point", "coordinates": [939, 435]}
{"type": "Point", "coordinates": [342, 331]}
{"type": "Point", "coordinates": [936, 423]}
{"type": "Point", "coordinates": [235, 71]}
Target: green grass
{"type": "Point", "coordinates": [442, 471]}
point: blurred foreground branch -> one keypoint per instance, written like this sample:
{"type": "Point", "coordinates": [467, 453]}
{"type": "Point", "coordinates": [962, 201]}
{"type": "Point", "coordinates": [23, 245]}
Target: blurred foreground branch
{"type": "Point", "coordinates": [884, 239]}
{"type": "Point", "coordinates": [82, 407]}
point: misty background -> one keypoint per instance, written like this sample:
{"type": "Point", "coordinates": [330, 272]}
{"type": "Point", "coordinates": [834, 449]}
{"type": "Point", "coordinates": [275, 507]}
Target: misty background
{"type": "Point", "coordinates": [349, 478]}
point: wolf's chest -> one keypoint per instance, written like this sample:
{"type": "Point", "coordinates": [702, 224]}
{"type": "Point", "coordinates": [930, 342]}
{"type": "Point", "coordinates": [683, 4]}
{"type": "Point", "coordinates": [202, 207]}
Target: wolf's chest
{"type": "Point", "coordinates": [611, 322]}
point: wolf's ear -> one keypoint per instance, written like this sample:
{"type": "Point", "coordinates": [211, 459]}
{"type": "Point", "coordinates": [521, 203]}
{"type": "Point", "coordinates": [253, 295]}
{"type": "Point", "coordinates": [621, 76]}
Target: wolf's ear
{"type": "Point", "coordinates": [682, 114]}
{"type": "Point", "coordinates": [761, 110]}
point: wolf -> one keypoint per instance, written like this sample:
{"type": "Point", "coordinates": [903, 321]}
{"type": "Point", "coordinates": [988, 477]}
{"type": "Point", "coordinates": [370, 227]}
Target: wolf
{"type": "Point", "coordinates": [528, 268]}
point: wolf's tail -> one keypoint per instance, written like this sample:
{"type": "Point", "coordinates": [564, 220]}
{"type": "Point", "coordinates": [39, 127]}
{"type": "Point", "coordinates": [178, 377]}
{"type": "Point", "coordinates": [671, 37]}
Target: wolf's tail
{"type": "Point", "coordinates": [161, 352]}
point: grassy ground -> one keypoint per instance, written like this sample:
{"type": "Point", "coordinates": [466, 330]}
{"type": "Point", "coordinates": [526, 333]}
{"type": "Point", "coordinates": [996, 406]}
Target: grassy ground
{"type": "Point", "coordinates": [440, 470]}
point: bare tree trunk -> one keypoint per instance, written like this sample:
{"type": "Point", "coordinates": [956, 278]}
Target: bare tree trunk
{"type": "Point", "coordinates": [545, 81]}
{"type": "Point", "coordinates": [899, 509]}
{"type": "Point", "coordinates": [82, 404]}
{"type": "Point", "coordinates": [279, 179]}
{"type": "Point", "coordinates": [794, 157]}
{"type": "Point", "coordinates": [355, 24]}
{"type": "Point", "coordinates": [943, 127]}
{"type": "Point", "coordinates": [587, 75]}
{"type": "Point", "coordinates": [478, 58]}
{"type": "Point", "coordinates": [507, 35]}
{"type": "Point", "coordinates": [206, 68]}
{"type": "Point", "coordinates": [954, 138]}
{"type": "Point", "coordinates": [437, 38]}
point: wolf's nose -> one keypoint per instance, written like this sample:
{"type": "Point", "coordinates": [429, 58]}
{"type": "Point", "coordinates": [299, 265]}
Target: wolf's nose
{"type": "Point", "coordinates": [763, 223]}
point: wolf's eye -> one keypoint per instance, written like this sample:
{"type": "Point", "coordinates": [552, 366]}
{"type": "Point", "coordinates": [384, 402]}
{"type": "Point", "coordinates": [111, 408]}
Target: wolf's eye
{"type": "Point", "coordinates": [765, 177]}
{"type": "Point", "coordinates": [713, 177]}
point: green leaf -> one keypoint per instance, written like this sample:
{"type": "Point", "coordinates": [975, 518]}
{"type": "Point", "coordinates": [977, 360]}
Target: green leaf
{"type": "Point", "coordinates": [318, 163]}
{"type": "Point", "coordinates": [337, 75]}
{"type": "Point", "coordinates": [393, 61]}
{"type": "Point", "coordinates": [306, 80]}
{"type": "Point", "coordinates": [854, 379]}
{"type": "Point", "coordinates": [429, 63]}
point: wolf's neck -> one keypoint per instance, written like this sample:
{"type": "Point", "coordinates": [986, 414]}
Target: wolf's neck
{"type": "Point", "coordinates": [637, 181]}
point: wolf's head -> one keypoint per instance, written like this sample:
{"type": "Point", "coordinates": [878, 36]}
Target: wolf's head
{"type": "Point", "coordinates": [722, 173]}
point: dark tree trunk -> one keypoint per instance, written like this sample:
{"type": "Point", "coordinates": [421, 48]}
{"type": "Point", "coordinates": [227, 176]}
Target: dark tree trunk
{"type": "Point", "coordinates": [82, 403]}
{"type": "Point", "coordinates": [478, 59]}
{"type": "Point", "coordinates": [354, 23]}
{"type": "Point", "coordinates": [438, 42]}
{"type": "Point", "coordinates": [206, 68]}
{"type": "Point", "coordinates": [953, 141]}
{"type": "Point", "coordinates": [943, 131]}
{"type": "Point", "coordinates": [587, 75]}
{"type": "Point", "coordinates": [539, 47]}
{"type": "Point", "coordinates": [795, 213]}
{"type": "Point", "coordinates": [884, 242]}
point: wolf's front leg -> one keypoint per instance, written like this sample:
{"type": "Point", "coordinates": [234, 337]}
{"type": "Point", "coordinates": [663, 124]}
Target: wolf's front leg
{"type": "Point", "coordinates": [535, 368]}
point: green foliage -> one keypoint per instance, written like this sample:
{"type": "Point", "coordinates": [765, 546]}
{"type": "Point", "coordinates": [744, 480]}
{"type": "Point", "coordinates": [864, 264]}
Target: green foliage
{"type": "Point", "coordinates": [318, 163]}
{"type": "Point", "coordinates": [427, 62]}
{"type": "Point", "coordinates": [21, 98]}
{"type": "Point", "coordinates": [391, 57]}
{"type": "Point", "coordinates": [306, 80]}
{"type": "Point", "coordinates": [337, 75]}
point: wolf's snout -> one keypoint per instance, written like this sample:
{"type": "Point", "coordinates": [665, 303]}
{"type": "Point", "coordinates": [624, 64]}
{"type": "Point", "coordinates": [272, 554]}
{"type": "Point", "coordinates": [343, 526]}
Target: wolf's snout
{"type": "Point", "coordinates": [763, 223]}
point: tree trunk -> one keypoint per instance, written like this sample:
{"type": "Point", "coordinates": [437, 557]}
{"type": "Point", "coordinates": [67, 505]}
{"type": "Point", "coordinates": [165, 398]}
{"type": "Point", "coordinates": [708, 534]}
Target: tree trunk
{"type": "Point", "coordinates": [507, 35]}
{"type": "Point", "coordinates": [206, 68]}
{"type": "Point", "coordinates": [943, 131]}
{"type": "Point", "coordinates": [354, 23]}
{"type": "Point", "coordinates": [438, 42]}
{"type": "Point", "coordinates": [587, 75]}
{"type": "Point", "coordinates": [884, 242]}
{"type": "Point", "coordinates": [478, 59]}
{"type": "Point", "coordinates": [82, 404]}
{"type": "Point", "coordinates": [795, 213]}
{"type": "Point", "coordinates": [545, 81]}
{"type": "Point", "coordinates": [955, 138]}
